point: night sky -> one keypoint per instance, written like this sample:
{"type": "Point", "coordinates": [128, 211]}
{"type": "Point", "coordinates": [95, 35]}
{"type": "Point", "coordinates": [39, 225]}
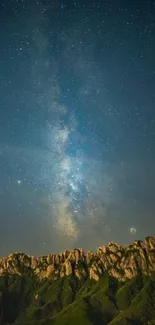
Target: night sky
{"type": "Point", "coordinates": [77, 123]}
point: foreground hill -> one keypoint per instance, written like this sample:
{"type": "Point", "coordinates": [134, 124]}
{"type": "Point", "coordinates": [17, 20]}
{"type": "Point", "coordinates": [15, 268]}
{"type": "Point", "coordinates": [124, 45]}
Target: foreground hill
{"type": "Point", "coordinates": [115, 285]}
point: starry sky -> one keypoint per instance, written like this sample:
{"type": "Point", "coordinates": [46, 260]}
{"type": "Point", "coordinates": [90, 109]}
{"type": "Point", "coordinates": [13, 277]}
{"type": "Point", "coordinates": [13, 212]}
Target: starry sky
{"type": "Point", "coordinates": [77, 123]}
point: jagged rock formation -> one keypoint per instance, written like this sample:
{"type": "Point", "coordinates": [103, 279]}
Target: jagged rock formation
{"type": "Point", "coordinates": [121, 262]}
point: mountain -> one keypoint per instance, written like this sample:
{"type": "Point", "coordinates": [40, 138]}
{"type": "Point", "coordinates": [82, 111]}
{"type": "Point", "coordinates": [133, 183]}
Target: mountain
{"type": "Point", "coordinates": [114, 286]}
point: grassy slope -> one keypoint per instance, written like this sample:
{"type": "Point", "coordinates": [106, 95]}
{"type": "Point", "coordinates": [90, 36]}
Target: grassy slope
{"type": "Point", "coordinates": [68, 301]}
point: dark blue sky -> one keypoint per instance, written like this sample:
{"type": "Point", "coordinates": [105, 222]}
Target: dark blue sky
{"type": "Point", "coordinates": [77, 107]}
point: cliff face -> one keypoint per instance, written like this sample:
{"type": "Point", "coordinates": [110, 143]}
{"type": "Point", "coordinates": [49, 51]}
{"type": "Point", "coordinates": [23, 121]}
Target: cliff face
{"type": "Point", "coordinates": [121, 262]}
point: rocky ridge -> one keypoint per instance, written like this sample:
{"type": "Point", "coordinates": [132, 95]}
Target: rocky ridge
{"type": "Point", "coordinates": [121, 262]}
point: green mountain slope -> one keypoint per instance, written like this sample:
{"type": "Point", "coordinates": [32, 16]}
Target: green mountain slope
{"type": "Point", "coordinates": [24, 300]}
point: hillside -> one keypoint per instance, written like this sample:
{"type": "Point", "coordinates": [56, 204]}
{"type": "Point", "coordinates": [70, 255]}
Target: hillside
{"type": "Point", "coordinates": [114, 285]}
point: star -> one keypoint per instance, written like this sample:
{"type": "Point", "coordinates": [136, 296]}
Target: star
{"type": "Point", "coordinates": [19, 182]}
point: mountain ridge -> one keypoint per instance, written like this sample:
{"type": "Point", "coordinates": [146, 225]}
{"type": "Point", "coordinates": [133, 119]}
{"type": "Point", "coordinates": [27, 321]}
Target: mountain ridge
{"type": "Point", "coordinates": [113, 286]}
{"type": "Point", "coordinates": [121, 262]}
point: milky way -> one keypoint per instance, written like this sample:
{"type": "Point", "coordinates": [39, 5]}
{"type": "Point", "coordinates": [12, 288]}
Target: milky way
{"type": "Point", "coordinates": [72, 179]}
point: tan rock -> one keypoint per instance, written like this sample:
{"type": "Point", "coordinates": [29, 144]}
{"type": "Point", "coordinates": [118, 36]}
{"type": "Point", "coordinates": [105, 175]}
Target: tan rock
{"type": "Point", "coordinates": [34, 262]}
{"type": "Point", "coordinates": [62, 273]}
{"type": "Point", "coordinates": [89, 256]}
{"type": "Point", "coordinates": [50, 270]}
{"type": "Point", "coordinates": [114, 247]}
{"type": "Point", "coordinates": [49, 258]}
{"type": "Point", "coordinates": [93, 275]}
{"type": "Point", "coordinates": [116, 273]}
{"type": "Point", "coordinates": [129, 273]}
{"type": "Point", "coordinates": [68, 267]}
{"type": "Point", "coordinates": [78, 274]}
{"type": "Point", "coordinates": [102, 249]}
